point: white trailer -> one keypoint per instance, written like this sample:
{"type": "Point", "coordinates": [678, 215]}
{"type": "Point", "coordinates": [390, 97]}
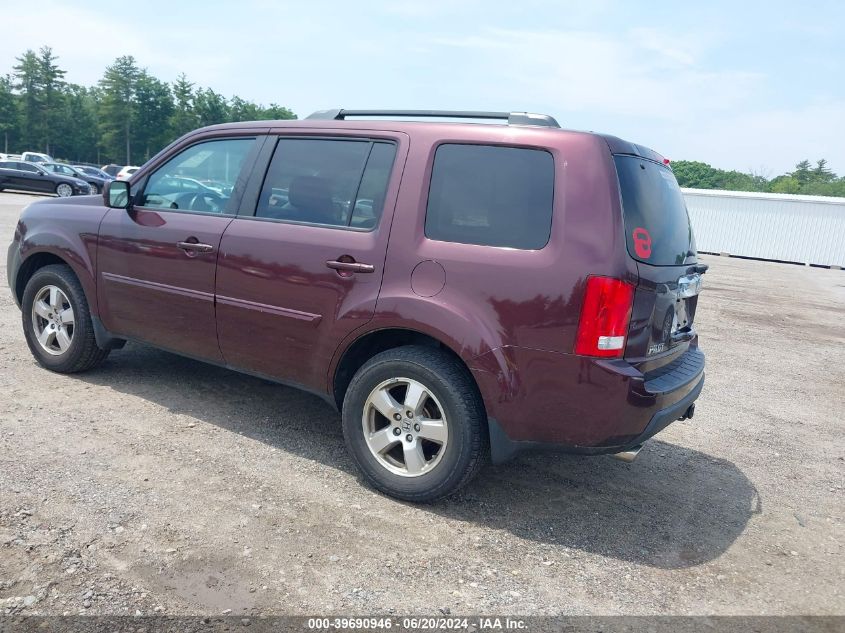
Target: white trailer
{"type": "Point", "coordinates": [780, 227]}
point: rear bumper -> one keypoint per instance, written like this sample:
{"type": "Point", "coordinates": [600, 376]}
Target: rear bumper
{"type": "Point", "coordinates": [503, 448]}
{"type": "Point", "coordinates": [587, 406]}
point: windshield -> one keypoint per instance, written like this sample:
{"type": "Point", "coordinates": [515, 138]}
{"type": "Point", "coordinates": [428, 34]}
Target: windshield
{"type": "Point", "coordinates": [657, 225]}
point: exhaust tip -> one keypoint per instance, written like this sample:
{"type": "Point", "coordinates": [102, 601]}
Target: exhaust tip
{"type": "Point", "coordinates": [628, 456]}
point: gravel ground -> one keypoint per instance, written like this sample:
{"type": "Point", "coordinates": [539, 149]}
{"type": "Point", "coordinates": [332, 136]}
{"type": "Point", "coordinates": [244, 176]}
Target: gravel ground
{"type": "Point", "coordinates": [157, 484]}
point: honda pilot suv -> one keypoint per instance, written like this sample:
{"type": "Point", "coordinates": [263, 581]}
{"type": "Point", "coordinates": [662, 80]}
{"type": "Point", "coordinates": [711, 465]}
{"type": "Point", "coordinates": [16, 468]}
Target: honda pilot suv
{"type": "Point", "coordinates": [460, 290]}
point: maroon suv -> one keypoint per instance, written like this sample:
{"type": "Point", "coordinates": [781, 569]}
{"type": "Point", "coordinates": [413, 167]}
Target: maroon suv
{"type": "Point", "coordinates": [458, 290]}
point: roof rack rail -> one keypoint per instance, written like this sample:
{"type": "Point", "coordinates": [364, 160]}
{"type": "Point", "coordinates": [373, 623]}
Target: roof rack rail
{"type": "Point", "coordinates": [513, 118]}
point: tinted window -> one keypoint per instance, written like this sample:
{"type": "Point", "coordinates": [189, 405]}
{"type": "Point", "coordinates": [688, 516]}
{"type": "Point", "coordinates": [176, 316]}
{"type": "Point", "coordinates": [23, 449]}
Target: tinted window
{"type": "Point", "coordinates": [60, 169]}
{"type": "Point", "coordinates": [29, 168]}
{"type": "Point", "coordinates": [492, 196]}
{"type": "Point", "coordinates": [320, 181]}
{"type": "Point", "coordinates": [657, 226]}
{"type": "Point", "coordinates": [199, 179]}
{"type": "Point", "coordinates": [370, 199]}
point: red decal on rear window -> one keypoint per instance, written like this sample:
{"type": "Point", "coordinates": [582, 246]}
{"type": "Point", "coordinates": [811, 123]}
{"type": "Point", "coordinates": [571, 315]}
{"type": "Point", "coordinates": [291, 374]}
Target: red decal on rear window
{"type": "Point", "coordinates": [642, 242]}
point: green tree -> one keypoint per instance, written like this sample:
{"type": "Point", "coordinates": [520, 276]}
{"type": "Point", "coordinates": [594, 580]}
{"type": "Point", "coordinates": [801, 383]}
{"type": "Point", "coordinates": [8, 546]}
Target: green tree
{"type": "Point", "coordinates": [695, 174]}
{"type": "Point", "coordinates": [802, 172]}
{"type": "Point", "coordinates": [210, 107]}
{"type": "Point", "coordinates": [117, 107]}
{"type": "Point", "coordinates": [785, 184]}
{"type": "Point", "coordinates": [240, 110]}
{"type": "Point", "coordinates": [276, 112]}
{"type": "Point", "coordinates": [153, 110]}
{"type": "Point", "coordinates": [51, 80]}
{"type": "Point", "coordinates": [183, 119]}
{"type": "Point", "coordinates": [75, 131]}
{"type": "Point", "coordinates": [9, 122]}
{"type": "Point", "coordinates": [821, 173]}
{"type": "Point", "coordinates": [739, 181]}
{"type": "Point", "coordinates": [27, 73]}
{"type": "Point", "coordinates": [126, 117]}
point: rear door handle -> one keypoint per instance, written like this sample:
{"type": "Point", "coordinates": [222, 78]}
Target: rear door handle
{"type": "Point", "coordinates": [352, 267]}
{"type": "Point", "coordinates": [196, 247]}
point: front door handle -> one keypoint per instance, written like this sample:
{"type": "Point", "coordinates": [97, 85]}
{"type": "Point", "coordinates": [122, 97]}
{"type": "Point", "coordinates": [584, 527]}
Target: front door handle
{"type": "Point", "coordinates": [350, 267]}
{"type": "Point", "coordinates": [195, 247]}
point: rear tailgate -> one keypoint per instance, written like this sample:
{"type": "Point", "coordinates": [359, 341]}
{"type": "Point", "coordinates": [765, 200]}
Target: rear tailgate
{"type": "Point", "coordinates": [660, 239]}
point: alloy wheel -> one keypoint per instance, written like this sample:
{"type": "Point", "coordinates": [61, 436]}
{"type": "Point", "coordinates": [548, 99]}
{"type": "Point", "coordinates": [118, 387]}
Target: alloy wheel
{"type": "Point", "coordinates": [52, 320]}
{"type": "Point", "coordinates": [64, 190]}
{"type": "Point", "coordinates": [405, 427]}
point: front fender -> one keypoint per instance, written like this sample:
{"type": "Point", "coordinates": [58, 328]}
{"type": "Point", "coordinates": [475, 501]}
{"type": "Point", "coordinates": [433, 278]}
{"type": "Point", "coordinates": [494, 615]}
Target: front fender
{"type": "Point", "coordinates": [65, 231]}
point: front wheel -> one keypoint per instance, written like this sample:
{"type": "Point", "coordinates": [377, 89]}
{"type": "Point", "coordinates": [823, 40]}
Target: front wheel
{"type": "Point", "coordinates": [64, 190]}
{"type": "Point", "coordinates": [414, 422]}
{"type": "Point", "coordinates": [57, 322]}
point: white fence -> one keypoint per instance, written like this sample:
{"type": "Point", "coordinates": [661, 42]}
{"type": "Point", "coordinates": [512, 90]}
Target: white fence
{"type": "Point", "coordinates": [804, 229]}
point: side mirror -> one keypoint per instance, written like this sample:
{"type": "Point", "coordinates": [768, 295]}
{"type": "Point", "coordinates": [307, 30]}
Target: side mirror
{"type": "Point", "coordinates": [116, 194]}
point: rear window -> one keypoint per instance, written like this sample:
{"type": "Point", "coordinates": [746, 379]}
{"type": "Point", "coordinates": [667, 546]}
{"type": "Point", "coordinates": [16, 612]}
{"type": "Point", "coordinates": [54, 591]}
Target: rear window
{"type": "Point", "coordinates": [657, 225]}
{"type": "Point", "coordinates": [491, 196]}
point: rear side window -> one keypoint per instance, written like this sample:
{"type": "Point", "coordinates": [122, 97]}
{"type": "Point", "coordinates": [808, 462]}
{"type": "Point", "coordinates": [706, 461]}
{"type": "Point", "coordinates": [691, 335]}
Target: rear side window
{"type": "Point", "coordinates": [657, 225]}
{"type": "Point", "coordinates": [491, 196]}
{"type": "Point", "coordinates": [327, 181]}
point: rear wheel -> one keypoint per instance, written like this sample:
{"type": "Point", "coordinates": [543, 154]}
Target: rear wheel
{"type": "Point", "coordinates": [64, 190]}
{"type": "Point", "coordinates": [57, 322]}
{"type": "Point", "coordinates": [414, 422]}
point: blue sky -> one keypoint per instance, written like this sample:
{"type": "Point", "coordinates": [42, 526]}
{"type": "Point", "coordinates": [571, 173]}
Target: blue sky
{"type": "Point", "coordinates": [741, 85]}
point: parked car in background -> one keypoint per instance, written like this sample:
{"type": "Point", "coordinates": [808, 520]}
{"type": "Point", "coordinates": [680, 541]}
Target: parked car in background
{"type": "Point", "coordinates": [94, 171]}
{"type": "Point", "coordinates": [36, 157]}
{"type": "Point", "coordinates": [96, 182]}
{"type": "Point", "coordinates": [111, 169]}
{"type": "Point", "coordinates": [459, 291]}
{"type": "Point", "coordinates": [127, 171]}
{"type": "Point", "coordinates": [24, 176]}
{"type": "Point", "coordinates": [175, 186]}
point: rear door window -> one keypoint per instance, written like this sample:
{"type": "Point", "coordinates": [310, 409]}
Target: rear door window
{"type": "Point", "coordinates": [657, 225]}
{"type": "Point", "coordinates": [491, 196]}
{"type": "Point", "coordinates": [332, 182]}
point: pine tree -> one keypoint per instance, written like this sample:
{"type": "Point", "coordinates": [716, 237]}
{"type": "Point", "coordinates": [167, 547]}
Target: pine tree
{"type": "Point", "coordinates": [153, 109]}
{"type": "Point", "coordinates": [27, 72]}
{"type": "Point", "coordinates": [183, 120]}
{"type": "Point", "coordinates": [51, 81]}
{"type": "Point", "coordinates": [117, 107]}
{"type": "Point", "coordinates": [8, 111]}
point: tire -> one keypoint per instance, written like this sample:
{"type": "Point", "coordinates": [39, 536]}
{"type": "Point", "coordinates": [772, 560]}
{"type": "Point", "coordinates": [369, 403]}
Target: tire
{"type": "Point", "coordinates": [63, 320]}
{"type": "Point", "coordinates": [94, 189]}
{"type": "Point", "coordinates": [64, 190]}
{"type": "Point", "coordinates": [415, 458]}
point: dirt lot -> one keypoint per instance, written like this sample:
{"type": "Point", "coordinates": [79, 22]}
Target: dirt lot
{"type": "Point", "coordinates": [157, 484]}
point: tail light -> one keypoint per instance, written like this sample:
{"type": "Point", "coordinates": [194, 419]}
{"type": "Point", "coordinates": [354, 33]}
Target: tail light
{"type": "Point", "coordinates": [605, 315]}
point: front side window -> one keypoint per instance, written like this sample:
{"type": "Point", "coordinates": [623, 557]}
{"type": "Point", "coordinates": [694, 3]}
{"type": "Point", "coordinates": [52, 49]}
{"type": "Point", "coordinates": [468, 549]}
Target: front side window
{"type": "Point", "coordinates": [327, 181]}
{"type": "Point", "coordinates": [199, 179]}
{"type": "Point", "coordinates": [30, 168]}
{"type": "Point", "coordinates": [491, 196]}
